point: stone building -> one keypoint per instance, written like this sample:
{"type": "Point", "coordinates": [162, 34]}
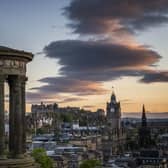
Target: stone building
{"type": "Point", "coordinates": [44, 108]}
{"type": "Point", "coordinates": [43, 114]}
{"type": "Point", "coordinates": [114, 138]}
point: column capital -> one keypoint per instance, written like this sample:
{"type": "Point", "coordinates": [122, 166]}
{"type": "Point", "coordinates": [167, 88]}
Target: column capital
{"type": "Point", "coordinates": [14, 81]}
{"type": "Point", "coordinates": [17, 78]}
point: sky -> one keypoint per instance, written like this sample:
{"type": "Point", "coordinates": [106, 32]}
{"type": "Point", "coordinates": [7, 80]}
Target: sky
{"type": "Point", "coordinates": [83, 48]}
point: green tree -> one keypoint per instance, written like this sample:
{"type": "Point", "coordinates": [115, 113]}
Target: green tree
{"type": "Point", "coordinates": [66, 117]}
{"type": "Point", "coordinates": [41, 157]}
{"type": "Point", "coordinates": [92, 163]}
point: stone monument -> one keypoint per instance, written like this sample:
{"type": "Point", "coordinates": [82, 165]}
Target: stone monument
{"type": "Point", "coordinates": [13, 71]}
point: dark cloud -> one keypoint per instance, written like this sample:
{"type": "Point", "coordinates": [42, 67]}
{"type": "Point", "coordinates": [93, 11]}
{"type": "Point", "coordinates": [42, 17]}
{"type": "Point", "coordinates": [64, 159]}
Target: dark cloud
{"type": "Point", "coordinates": [57, 85]}
{"type": "Point", "coordinates": [99, 61]}
{"type": "Point", "coordinates": [85, 64]}
{"type": "Point", "coordinates": [36, 96]}
{"type": "Point", "coordinates": [155, 76]}
{"type": "Point", "coordinates": [102, 16]}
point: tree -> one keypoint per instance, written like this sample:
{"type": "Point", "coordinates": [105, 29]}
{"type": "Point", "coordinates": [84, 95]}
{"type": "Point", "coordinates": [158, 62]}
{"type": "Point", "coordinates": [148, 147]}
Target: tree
{"type": "Point", "coordinates": [66, 117]}
{"type": "Point", "coordinates": [92, 163]}
{"type": "Point", "coordinates": [41, 157]}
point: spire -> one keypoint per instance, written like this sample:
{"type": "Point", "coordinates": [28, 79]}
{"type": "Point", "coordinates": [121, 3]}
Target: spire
{"type": "Point", "coordinates": [113, 97]}
{"type": "Point", "coordinates": [144, 120]}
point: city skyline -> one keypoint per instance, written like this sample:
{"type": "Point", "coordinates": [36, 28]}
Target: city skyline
{"type": "Point", "coordinates": [83, 48]}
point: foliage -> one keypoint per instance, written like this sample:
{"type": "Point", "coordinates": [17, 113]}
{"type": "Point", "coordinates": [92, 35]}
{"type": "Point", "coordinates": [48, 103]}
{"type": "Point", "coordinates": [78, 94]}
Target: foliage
{"type": "Point", "coordinates": [66, 117]}
{"type": "Point", "coordinates": [41, 157]}
{"type": "Point", "coordinates": [92, 163]}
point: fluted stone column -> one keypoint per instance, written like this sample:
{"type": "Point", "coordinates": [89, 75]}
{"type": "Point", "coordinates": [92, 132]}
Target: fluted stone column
{"type": "Point", "coordinates": [11, 116]}
{"type": "Point", "coordinates": [23, 83]}
{"type": "Point", "coordinates": [15, 121]}
{"type": "Point", "coordinates": [2, 122]}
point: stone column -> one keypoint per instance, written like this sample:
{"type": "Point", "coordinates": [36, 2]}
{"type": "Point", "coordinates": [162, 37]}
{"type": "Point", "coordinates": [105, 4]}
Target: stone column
{"type": "Point", "coordinates": [2, 122]}
{"type": "Point", "coordinates": [23, 83]}
{"type": "Point", "coordinates": [11, 116]}
{"type": "Point", "coordinates": [15, 121]}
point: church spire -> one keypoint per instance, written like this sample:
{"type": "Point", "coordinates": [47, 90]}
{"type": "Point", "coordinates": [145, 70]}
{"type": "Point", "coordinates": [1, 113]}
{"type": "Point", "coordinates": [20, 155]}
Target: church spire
{"type": "Point", "coordinates": [144, 120]}
{"type": "Point", "coordinates": [144, 132]}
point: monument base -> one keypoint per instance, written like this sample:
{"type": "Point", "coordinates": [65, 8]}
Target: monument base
{"type": "Point", "coordinates": [27, 162]}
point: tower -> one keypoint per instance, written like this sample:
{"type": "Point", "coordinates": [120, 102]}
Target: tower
{"type": "Point", "coordinates": [144, 131]}
{"type": "Point", "coordinates": [114, 112]}
{"type": "Point", "coordinates": [144, 119]}
{"type": "Point", "coordinates": [113, 142]}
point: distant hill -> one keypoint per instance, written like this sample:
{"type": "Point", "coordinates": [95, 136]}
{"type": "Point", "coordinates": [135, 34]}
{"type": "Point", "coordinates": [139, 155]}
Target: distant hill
{"type": "Point", "coordinates": [148, 114]}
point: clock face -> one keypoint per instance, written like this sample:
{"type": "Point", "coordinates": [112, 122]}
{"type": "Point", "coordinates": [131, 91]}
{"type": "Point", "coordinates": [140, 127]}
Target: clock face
{"type": "Point", "coordinates": [112, 110]}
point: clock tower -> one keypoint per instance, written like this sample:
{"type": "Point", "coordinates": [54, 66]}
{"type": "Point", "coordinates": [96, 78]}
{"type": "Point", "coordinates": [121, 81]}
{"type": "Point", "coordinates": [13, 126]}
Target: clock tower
{"type": "Point", "coordinates": [114, 112]}
{"type": "Point", "coordinates": [114, 139]}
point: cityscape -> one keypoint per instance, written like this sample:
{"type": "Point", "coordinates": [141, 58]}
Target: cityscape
{"type": "Point", "coordinates": [83, 84]}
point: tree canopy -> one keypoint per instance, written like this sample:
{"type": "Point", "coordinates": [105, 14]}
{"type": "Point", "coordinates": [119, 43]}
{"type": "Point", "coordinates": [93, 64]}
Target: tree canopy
{"type": "Point", "coordinates": [41, 158]}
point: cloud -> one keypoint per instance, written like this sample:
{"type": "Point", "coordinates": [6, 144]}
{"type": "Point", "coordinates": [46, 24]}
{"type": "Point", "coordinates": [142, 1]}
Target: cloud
{"type": "Point", "coordinates": [155, 76]}
{"type": "Point", "coordinates": [32, 97]}
{"type": "Point", "coordinates": [36, 97]}
{"type": "Point", "coordinates": [86, 64]}
{"type": "Point", "coordinates": [71, 99]}
{"type": "Point", "coordinates": [102, 16]}
{"type": "Point", "coordinates": [56, 85]}
{"type": "Point", "coordinates": [99, 61]}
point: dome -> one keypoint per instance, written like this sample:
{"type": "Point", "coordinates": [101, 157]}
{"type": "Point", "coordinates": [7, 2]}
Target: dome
{"type": "Point", "coordinates": [6, 52]}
